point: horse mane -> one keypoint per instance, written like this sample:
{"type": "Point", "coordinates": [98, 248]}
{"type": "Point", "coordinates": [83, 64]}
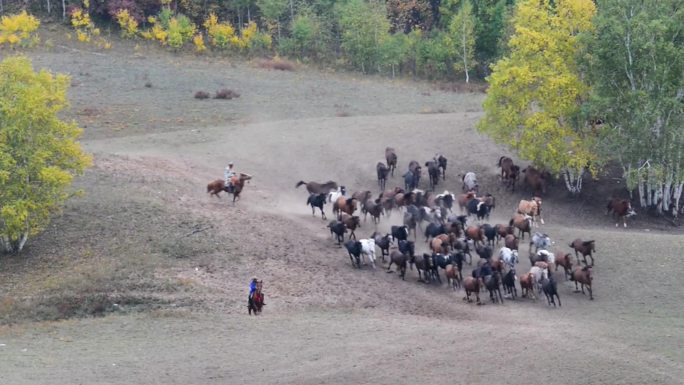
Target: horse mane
{"type": "Point", "coordinates": [301, 182]}
{"type": "Point", "coordinates": [587, 243]}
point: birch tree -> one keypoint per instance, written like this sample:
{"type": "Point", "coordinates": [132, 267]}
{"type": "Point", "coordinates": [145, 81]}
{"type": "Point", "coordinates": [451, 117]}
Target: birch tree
{"type": "Point", "coordinates": [636, 61]}
{"type": "Point", "coordinates": [535, 93]}
{"type": "Point", "coordinates": [462, 34]}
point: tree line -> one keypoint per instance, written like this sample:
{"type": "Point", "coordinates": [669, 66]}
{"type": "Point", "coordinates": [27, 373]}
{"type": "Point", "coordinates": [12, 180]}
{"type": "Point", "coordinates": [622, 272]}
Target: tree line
{"type": "Point", "coordinates": [448, 39]}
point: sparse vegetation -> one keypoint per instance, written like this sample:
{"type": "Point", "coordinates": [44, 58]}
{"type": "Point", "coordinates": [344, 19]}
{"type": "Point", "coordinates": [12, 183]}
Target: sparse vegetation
{"type": "Point", "coordinates": [202, 95]}
{"type": "Point", "coordinates": [226, 94]}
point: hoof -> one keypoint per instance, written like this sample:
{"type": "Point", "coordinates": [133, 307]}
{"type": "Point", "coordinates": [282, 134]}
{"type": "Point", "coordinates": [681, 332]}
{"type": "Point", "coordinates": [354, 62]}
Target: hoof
{"type": "Point", "coordinates": [576, 291]}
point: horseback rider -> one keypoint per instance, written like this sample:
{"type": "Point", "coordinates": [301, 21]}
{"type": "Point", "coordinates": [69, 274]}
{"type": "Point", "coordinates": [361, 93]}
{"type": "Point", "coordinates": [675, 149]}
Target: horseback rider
{"type": "Point", "coordinates": [254, 285]}
{"type": "Point", "coordinates": [228, 175]}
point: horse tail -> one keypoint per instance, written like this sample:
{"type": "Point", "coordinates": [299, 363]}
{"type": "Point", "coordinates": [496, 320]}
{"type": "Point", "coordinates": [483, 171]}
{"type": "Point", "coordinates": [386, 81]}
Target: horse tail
{"type": "Point", "coordinates": [510, 223]}
{"type": "Point", "coordinates": [301, 182]}
{"type": "Point", "coordinates": [500, 160]}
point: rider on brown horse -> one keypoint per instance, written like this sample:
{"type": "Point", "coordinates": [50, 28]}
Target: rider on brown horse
{"type": "Point", "coordinates": [228, 176]}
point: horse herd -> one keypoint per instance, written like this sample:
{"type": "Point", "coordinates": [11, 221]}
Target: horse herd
{"type": "Point", "coordinates": [451, 238]}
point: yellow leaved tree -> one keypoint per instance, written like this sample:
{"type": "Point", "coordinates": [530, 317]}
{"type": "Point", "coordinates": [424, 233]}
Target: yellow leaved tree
{"type": "Point", "coordinates": [39, 152]}
{"type": "Point", "coordinates": [536, 92]}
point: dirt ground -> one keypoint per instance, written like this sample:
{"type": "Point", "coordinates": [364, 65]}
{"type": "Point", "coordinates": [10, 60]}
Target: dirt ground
{"type": "Point", "coordinates": [178, 262]}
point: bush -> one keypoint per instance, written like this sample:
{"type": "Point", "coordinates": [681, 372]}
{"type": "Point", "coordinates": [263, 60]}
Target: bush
{"type": "Point", "coordinates": [180, 31]}
{"type": "Point", "coordinates": [202, 95]}
{"type": "Point", "coordinates": [18, 29]}
{"type": "Point", "coordinates": [220, 34]}
{"type": "Point", "coordinates": [226, 94]}
{"type": "Point", "coordinates": [276, 64]}
{"type": "Point", "coordinates": [129, 26]}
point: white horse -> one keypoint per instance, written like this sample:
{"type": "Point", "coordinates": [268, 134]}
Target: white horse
{"type": "Point", "coordinates": [539, 275]}
{"type": "Point", "coordinates": [540, 241]}
{"type": "Point", "coordinates": [368, 249]}
{"type": "Point", "coordinates": [510, 257]}
{"type": "Point", "coordinates": [470, 182]}
{"type": "Point", "coordinates": [333, 195]}
{"type": "Point", "coordinates": [547, 256]}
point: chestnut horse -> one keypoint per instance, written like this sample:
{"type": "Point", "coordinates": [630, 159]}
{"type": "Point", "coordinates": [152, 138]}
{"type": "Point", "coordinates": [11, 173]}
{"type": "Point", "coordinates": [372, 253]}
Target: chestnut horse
{"type": "Point", "coordinates": [215, 187]}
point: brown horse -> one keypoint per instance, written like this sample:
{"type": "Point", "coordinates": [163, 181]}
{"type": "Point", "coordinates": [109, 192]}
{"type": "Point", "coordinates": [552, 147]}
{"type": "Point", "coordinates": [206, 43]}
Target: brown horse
{"type": "Point", "coordinates": [344, 205]}
{"type": "Point", "coordinates": [509, 172]}
{"type": "Point", "coordinates": [523, 223]}
{"type": "Point", "coordinates": [463, 199]}
{"type": "Point", "coordinates": [215, 187]}
{"type": "Point", "coordinates": [476, 234]}
{"type": "Point", "coordinates": [536, 179]}
{"type": "Point", "coordinates": [533, 209]}
{"type": "Point", "coordinates": [527, 284]}
{"type": "Point", "coordinates": [584, 247]}
{"type": "Point", "coordinates": [383, 172]}
{"type": "Point", "coordinates": [583, 276]}
{"type": "Point", "coordinates": [621, 208]}
{"type": "Point", "coordinates": [318, 188]}
{"type": "Point", "coordinates": [472, 285]}
{"type": "Point", "coordinates": [563, 259]}
{"type": "Point", "coordinates": [391, 157]}
{"type": "Point", "coordinates": [511, 241]}
{"type": "Point", "coordinates": [453, 276]}
{"type": "Point", "coordinates": [351, 222]}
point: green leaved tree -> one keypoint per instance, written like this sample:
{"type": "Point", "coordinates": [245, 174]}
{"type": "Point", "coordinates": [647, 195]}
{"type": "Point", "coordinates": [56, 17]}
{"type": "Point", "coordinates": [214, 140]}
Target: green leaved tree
{"type": "Point", "coordinates": [536, 92]}
{"type": "Point", "coordinates": [39, 154]}
{"type": "Point", "coordinates": [636, 62]}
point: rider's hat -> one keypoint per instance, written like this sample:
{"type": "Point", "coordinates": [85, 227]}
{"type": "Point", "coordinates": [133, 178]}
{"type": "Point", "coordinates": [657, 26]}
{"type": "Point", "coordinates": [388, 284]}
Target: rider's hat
{"type": "Point", "coordinates": [254, 279]}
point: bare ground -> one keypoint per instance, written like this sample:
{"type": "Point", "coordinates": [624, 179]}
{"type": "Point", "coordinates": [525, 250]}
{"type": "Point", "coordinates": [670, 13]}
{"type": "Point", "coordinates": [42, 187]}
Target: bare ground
{"type": "Point", "coordinates": [147, 237]}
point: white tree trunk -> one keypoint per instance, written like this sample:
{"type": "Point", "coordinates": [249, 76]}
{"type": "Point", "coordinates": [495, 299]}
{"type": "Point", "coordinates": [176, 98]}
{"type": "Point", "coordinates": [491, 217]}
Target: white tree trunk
{"type": "Point", "coordinates": [573, 182]}
{"type": "Point", "coordinates": [48, 6]}
{"type": "Point", "coordinates": [677, 195]}
{"type": "Point", "coordinates": [63, 10]}
{"type": "Point", "coordinates": [465, 51]}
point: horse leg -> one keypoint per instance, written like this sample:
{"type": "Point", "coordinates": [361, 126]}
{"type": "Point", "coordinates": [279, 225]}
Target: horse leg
{"type": "Point", "coordinates": [592, 259]}
{"type": "Point", "coordinates": [323, 214]}
{"type": "Point", "coordinates": [591, 293]}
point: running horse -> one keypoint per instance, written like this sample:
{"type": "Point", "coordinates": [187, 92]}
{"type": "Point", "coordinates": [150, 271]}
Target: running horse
{"type": "Point", "coordinates": [238, 181]}
{"type": "Point", "coordinates": [256, 301]}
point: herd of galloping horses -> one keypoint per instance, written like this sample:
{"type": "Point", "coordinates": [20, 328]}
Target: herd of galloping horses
{"type": "Point", "coordinates": [451, 238]}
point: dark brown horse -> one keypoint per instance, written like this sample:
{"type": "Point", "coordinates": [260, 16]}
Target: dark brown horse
{"type": "Point", "coordinates": [391, 157]}
{"type": "Point", "coordinates": [318, 188]}
{"type": "Point", "coordinates": [344, 205]}
{"type": "Point", "coordinates": [215, 187]}
{"type": "Point", "coordinates": [621, 208]}
{"type": "Point", "coordinates": [509, 172]}
{"type": "Point", "coordinates": [585, 248]}
{"type": "Point", "coordinates": [383, 172]}
{"type": "Point", "coordinates": [582, 275]}
{"type": "Point", "coordinates": [351, 222]}
{"type": "Point", "coordinates": [536, 180]}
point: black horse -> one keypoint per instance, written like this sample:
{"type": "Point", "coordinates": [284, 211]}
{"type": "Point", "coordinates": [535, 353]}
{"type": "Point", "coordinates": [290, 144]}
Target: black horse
{"type": "Point", "coordinates": [492, 283]}
{"type": "Point", "coordinates": [509, 284]}
{"type": "Point", "coordinates": [410, 181]}
{"type": "Point", "coordinates": [433, 173]}
{"type": "Point", "coordinates": [317, 200]}
{"type": "Point", "coordinates": [442, 162]}
{"type": "Point", "coordinates": [383, 172]}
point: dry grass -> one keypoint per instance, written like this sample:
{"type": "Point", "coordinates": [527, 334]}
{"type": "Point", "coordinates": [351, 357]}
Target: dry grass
{"type": "Point", "coordinates": [461, 87]}
{"type": "Point", "coordinates": [276, 64]}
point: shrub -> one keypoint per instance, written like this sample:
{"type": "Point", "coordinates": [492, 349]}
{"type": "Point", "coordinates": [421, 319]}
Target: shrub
{"type": "Point", "coordinates": [18, 29]}
{"type": "Point", "coordinates": [85, 29]}
{"type": "Point", "coordinates": [220, 34]}
{"type": "Point", "coordinates": [180, 31]}
{"type": "Point", "coordinates": [198, 41]}
{"type": "Point", "coordinates": [168, 29]}
{"type": "Point", "coordinates": [254, 40]}
{"type": "Point", "coordinates": [129, 26]}
{"type": "Point", "coordinates": [202, 95]}
{"type": "Point", "coordinates": [226, 94]}
{"type": "Point", "coordinates": [277, 64]}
